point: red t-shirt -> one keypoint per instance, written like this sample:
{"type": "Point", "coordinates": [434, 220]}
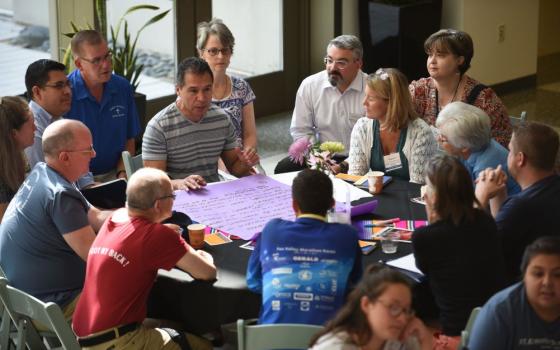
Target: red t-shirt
{"type": "Point", "coordinates": [121, 268]}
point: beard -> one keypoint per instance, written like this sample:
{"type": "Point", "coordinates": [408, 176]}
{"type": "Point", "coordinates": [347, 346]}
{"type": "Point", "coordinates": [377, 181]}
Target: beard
{"type": "Point", "coordinates": [334, 78]}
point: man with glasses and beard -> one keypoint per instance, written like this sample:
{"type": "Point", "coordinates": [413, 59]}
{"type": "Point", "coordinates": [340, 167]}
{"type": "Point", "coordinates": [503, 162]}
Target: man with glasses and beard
{"type": "Point", "coordinates": [329, 103]}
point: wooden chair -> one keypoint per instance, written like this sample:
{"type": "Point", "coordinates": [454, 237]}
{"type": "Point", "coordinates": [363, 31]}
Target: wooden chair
{"type": "Point", "coordinates": [466, 333]}
{"type": "Point", "coordinates": [131, 164]}
{"type": "Point", "coordinates": [23, 308]}
{"type": "Point", "coordinates": [274, 336]}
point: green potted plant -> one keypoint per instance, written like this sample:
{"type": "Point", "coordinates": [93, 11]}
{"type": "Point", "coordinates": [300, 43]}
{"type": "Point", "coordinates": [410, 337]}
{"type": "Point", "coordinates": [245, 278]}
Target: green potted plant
{"type": "Point", "coordinates": [393, 33]}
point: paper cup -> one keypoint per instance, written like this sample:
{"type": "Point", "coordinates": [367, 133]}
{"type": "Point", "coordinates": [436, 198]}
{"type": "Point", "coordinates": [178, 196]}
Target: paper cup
{"type": "Point", "coordinates": [196, 235]}
{"type": "Point", "coordinates": [375, 182]}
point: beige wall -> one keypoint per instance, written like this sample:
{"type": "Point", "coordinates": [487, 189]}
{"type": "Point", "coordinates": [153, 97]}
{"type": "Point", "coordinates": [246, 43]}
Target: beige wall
{"type": "Point", "coordinates": [516, 56]}
{"type": "Point", "coordinates": [321, 31]}
{"type": "Point", "coordinates": [549, 27]}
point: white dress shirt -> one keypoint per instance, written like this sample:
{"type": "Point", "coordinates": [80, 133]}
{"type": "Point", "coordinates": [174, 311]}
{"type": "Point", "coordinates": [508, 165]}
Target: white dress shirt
{"type": "Point", "coordinates": [322, 113]}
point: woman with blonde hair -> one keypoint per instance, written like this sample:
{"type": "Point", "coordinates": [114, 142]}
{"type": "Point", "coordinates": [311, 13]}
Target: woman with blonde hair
{"type": "Point", "coordinates": [391, 138]}
{"type": "Point", "coordinates": [17, 128]}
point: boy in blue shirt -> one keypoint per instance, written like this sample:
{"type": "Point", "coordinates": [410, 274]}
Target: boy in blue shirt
{"type": "Point", "coordinates": [304, 268]}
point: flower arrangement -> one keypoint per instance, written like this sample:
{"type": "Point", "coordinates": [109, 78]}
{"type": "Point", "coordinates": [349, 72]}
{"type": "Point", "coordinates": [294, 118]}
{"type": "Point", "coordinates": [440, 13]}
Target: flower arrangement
{"type": "Point", "coordinates": [317, 156]}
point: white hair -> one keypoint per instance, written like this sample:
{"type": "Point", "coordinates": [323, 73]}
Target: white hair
{"type": "Point", "coordinates": [466, 126]}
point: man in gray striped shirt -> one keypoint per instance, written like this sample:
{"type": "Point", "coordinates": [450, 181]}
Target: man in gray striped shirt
{"type": "Point", "coordinates": [187, 138]}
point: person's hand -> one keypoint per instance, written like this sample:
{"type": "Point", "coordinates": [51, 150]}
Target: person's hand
{"type": "Point", "coordinates": [490, 183]}
{"type": "Point", "coordinates": [335, 169]}
{"type": "Point", "coordinates": [416, 329]}
{"type": "Point", "coordinates": [191, 182]}
{"type": "Point", "coordinates": [248, 156]}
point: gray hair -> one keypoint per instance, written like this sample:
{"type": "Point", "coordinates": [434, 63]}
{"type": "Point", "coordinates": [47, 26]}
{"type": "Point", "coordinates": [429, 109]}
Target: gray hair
{"type": "Point", "coordinates": [144, 187]}
{"type": "Point", "coordinates": [214, 27]}
{"type": "Point", "coordinates": [348, 42]}
{"type": "Point", "coordinates": [466, 126]}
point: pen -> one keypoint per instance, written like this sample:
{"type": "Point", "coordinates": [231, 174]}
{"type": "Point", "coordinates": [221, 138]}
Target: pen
{"type": "Point", "coordinates": [383, 223]}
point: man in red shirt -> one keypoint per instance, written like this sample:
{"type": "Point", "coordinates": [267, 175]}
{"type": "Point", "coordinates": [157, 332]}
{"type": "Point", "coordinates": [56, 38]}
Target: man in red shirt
{"type": "Point", "coordinates": [122, 265]}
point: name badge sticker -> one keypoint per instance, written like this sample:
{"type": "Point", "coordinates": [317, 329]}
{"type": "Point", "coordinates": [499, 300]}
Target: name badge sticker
{"type": "Point", "coordinates": [392, 161]}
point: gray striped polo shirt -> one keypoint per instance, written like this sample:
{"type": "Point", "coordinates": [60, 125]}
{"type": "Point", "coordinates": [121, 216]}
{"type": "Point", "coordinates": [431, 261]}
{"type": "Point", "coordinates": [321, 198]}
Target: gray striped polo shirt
{"type": "Point", "coordinates": [188, 147]}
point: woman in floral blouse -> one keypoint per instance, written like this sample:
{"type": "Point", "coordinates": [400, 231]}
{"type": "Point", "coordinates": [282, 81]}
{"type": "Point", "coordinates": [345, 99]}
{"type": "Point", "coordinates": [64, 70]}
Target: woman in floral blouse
{"type": "Point", "coordinates": [449, 57]}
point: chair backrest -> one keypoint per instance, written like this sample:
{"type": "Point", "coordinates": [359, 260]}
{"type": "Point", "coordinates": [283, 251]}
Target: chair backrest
{"type": "Point", "coordinates": [516, 120]}
{"type": "Point", "coordinates": [22, 308]}
{"type": "Point", "coordinates": [274, 336]}
{"type": "Point", "coordinates": [466, 333]}
{"type": "Point", "coordinates": [131, 164]}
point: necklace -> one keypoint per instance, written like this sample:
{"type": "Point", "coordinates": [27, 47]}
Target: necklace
{"type": "Point", "coordinates": [224, 93]}
{"type": "Point", "coordinates": [452, 98]}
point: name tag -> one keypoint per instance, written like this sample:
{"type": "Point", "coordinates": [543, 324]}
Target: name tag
{"type": "Point", "coordinates": [392, 161]}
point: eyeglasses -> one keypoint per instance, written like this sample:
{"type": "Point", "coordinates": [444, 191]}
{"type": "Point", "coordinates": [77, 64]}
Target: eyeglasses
{"type": "Point", "coordinates": [59, 85]}
{"type": "Point", "coordinates": [98, 60]}
{"type": "Point", "coordinates": [173, 195]}
{"type": "Point", "coordinates": [382, 74]}
{"type": "Point", "coordinates": [341, 64]}
{"type": "Point", "coordinates": [90, 150]}
{"type": "Point", "coordinates": [396, 310]}
{"type": "Point", "coordinates": [213, 51]}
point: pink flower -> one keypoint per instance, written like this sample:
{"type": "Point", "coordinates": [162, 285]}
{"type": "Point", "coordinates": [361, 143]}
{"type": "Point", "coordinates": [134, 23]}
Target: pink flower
{"type": "Point", "coordinates": [299, 150]}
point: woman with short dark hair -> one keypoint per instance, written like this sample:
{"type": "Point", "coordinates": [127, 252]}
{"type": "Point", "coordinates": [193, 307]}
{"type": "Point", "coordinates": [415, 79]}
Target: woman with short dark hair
{"type": "Point", "coordinates": [449, 57]}
{"type": "Point", "coordinates": [459, 251]}
{"type": "Point", "coordinates": [17, 129]}
{"type": "Point", "coordinates": [525, 315]}
{"type": "Point", "coordinates": [376, 316]}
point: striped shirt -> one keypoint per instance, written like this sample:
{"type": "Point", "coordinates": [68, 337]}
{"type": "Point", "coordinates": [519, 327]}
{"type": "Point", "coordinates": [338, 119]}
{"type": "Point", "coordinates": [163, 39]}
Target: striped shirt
{"type": "Point", "coordinates": [188, 147]}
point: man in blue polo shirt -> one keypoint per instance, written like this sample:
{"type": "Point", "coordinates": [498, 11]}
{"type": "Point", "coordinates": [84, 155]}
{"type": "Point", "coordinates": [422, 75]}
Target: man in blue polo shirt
{"type": "Point", "coordinates": [304, 268]}
{"type": "Point", "coordinates": [104, 102]}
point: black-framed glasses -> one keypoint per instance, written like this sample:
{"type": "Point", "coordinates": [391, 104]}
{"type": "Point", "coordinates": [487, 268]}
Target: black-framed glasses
{"type": "Point", "coordinates": [59, 85]}
{"type": "Point", "coordinates": [396, 310]}
{"type": "Point", "coordinates": [98, 60]}
{"type": "Point", "coordinates": [90, 150]}
{"type": "Point", "coordinates": [214, 51]}
{"type": "Point", "coordinates": [341, 64]}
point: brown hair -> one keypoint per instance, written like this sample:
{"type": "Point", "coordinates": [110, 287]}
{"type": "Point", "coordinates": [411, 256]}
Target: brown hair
{"type": "Point", "coordinates": [392, 85]}
{"type": "Point", "coordinates": [13, 114]}
{"type": "Point", "coordinates": [350, 318]}
{"type": "Point", "coordinates": [539, 143]}
{"type": "Point", "coordinates": [453, 187]}
{"type": "Point", "coordinates": [88, 36]}
{"type": "Point", "coordinates": [452, 41]}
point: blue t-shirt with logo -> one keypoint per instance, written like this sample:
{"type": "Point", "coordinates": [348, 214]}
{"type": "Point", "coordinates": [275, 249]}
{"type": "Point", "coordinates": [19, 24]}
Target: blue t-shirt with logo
{"type": "Point", "coordinates": [303, 269]}
{"type": "Point", "coordinates": [111, 122]}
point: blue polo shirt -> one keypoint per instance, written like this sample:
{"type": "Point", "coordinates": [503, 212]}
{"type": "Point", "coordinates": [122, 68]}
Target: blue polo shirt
{"type": "Point", "coordinates": [490, 157]}
{"type": "Point", "coordinates": [111, 122]}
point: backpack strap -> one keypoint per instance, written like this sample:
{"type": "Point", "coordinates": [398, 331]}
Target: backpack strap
{"type": "Point", "coordinates": [475, 92]}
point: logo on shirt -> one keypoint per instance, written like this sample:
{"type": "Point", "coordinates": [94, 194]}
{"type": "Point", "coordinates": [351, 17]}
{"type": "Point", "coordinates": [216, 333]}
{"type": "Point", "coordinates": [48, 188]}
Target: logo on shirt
{"type": "Point", "coordinates": [118, 111]}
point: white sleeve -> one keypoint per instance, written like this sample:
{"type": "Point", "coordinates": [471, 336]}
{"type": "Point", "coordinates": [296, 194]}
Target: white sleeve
{"type": "Point", "coordinates": [303, 124]}
{"type": "Point", "coordinates": [360, 145]}
{"type": "Point", "coordinates": [421, 148]}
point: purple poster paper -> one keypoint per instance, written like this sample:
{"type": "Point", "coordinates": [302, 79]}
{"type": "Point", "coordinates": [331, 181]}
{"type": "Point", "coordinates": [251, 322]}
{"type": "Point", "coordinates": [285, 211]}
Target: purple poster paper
{"type": "Point", "coordinates": [241, 207]}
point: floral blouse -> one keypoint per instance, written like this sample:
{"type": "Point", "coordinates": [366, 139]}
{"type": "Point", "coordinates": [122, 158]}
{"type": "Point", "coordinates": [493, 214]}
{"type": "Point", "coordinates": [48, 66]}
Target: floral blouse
{"type": "Point", "coordinates": [423, 92]}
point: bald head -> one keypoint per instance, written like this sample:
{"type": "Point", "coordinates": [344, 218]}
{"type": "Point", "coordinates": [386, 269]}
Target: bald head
{"type": "Point", "coordinates": [60, 136]}
{"type": "Point", "coordinates": [145, 186]}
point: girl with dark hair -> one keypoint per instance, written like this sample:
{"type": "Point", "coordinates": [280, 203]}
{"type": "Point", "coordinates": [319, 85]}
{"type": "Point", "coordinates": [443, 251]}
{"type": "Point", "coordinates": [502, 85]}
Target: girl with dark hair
{"type": "Point", "coordinates": [459, 251]}
{"type": "Point", "coordinates": [449, 57]}
{"type": "Point", "coordinates": [17, 129]}
{"type": "Point", "coordinates": [377, 315]}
